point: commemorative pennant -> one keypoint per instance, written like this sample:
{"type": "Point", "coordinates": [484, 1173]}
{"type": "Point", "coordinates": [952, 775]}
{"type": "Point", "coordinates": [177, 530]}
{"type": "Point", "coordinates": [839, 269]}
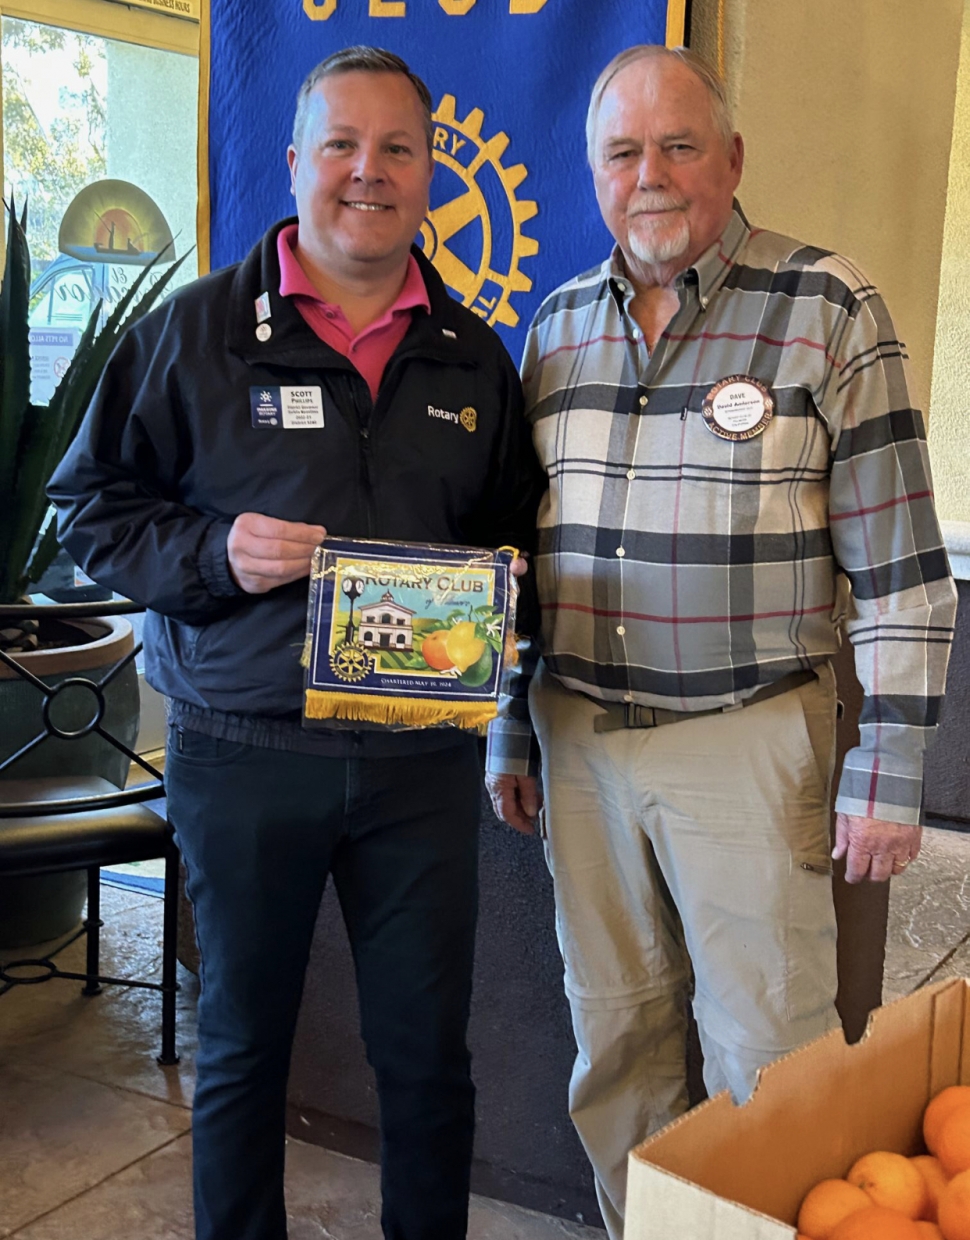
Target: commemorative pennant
{"type": "Point", "coordinates": [407, 635]}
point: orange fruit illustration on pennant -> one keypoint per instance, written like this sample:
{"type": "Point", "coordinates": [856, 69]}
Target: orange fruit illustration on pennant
{"type": "Point", "coordinates": [434, 653]}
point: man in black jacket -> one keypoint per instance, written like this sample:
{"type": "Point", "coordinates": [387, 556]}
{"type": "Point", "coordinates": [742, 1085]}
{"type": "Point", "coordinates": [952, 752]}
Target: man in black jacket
{"type": "Point", "coordinates": [183, 494]}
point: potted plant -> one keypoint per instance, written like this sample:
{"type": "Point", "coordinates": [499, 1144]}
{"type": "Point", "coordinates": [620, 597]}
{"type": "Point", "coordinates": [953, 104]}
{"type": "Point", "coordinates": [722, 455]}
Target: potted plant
{"type": "Point", "coordinates": [33, 438]}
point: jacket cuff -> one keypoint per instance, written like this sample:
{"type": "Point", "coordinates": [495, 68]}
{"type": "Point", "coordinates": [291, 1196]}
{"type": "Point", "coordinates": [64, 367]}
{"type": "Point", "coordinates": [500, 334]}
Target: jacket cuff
{"type": "Point", "coordinates": [213, 561]}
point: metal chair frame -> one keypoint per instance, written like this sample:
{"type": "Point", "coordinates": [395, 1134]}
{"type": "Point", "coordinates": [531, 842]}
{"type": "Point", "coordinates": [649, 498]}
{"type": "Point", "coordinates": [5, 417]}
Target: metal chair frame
{"type": "Point", "coordinates": [91, 926]}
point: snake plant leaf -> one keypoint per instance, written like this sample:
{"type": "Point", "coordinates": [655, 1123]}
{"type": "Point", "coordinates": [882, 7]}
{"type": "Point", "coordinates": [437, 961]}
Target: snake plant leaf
{"type": "Point", "coordinates": [40, 455]}
{"type": "Point", "coordinates": [33, 438]}
{"type": "Point", "coordinates": [73, 394]}
{"type": "Point", "coordinates": [14, 354]}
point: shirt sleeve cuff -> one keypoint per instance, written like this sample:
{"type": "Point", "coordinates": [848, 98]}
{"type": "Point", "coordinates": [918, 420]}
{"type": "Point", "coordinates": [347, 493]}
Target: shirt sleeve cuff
{"type": "Point", "coordinates": [872, 787]}
{"type": "Point", "coordinates": [512, 748]}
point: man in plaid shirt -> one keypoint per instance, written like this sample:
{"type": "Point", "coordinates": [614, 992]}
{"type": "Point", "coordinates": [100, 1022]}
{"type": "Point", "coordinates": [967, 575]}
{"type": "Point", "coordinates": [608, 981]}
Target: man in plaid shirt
{"type": "Point", "coordinates": [734, 463]}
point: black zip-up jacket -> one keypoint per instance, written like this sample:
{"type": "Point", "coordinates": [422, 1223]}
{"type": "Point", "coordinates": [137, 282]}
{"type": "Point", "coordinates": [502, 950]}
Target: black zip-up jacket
{"type": "Point", "coordinates": [168, 455]}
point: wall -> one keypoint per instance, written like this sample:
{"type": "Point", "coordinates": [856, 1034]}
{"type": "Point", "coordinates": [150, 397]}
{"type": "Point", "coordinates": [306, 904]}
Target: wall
{"type": "Point", "coordinates": [858, 139]}
{"type": "Point", "coordinates": [846, 110]}
{"type": "Point", "coordinates": [950, 423]}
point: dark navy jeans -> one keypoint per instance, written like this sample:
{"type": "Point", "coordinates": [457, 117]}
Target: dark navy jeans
{"type": "Point", "coordinates": [260, 831]}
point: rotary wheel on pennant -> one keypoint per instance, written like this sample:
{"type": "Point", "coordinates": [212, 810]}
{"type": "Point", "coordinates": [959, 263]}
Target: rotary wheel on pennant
{"type": "Point", "coordinates": [486, 286]}
{"type": "Point", "coordinates": [350, 662]}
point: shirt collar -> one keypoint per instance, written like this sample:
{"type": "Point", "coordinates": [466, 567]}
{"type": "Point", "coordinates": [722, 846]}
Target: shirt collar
{"type": "Point", "coordinates": [294, 282]}
{"type": "Point", "coordinates": [706, 275]}
{"type": "Point", "coordinates": [717, 260]}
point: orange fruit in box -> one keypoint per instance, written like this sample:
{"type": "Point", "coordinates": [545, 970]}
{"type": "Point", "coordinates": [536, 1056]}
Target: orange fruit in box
{"type": "Point", "coordinates": [953, 1141]}
{"type": "Point", "coordinates": [954, 1221]}
{"type": "Point", "coordinates": [892, 1181]}
{"type": "Point", "coordinates": [928, 1231]}
{"type": "Point", "coordinates": [826, 1205]}
{"type": "Point", "coordinates": [936, 1180]}
{"type": "Point", "coordinates": [942, 1106]}
{"type": "Point", "coordinates": [876, 1223]}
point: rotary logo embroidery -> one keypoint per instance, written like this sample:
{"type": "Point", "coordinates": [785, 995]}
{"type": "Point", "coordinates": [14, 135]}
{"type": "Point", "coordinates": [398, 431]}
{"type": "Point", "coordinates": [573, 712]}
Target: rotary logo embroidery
{"type": "Point", "coordinates": [350, 662]}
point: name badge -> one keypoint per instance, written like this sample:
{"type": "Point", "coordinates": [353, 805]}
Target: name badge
{"type": "Point", "coordinates": [738, 408]}
{"type": "Point", "coordinates": [287, 408]}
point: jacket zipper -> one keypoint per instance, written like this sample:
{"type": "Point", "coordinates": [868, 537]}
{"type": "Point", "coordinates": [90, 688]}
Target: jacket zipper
{"type": "Point", "coordinates": [364, 408]}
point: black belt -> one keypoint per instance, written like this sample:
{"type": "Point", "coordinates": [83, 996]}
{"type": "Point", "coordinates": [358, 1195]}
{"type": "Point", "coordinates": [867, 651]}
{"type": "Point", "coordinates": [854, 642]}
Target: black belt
{"type": "Point", "coordinates": [617, 715]}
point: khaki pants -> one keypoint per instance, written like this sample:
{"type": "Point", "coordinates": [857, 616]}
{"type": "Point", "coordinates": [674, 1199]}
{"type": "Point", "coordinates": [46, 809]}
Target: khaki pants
{"type": "Point", "coordinates": [699, 845]}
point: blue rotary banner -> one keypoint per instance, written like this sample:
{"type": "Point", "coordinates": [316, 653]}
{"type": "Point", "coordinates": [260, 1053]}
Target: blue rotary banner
{"type": "Point", "coordinates": [512, 207]}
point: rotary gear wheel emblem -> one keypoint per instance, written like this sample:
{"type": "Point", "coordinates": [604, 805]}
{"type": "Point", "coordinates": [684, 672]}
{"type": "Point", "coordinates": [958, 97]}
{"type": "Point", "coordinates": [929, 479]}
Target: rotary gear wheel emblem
{"type": "Point", "coordinates": [474, 237]}
{"type": "Point", "coordinates": [350, 662]}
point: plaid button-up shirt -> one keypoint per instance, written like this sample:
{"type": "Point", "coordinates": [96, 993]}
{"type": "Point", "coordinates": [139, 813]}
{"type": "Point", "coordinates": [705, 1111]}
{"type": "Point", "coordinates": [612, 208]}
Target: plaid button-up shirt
{"type": "Point", "coordinates": [682, 570]}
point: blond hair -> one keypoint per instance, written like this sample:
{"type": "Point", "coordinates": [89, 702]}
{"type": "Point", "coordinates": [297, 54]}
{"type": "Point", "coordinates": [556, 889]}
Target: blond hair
{"type": "Point", "coordinates": [720, 108]}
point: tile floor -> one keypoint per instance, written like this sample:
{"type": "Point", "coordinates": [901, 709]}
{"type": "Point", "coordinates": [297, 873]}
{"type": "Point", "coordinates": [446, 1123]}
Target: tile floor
{"type": "Point", "coordinates": [94, 1136]}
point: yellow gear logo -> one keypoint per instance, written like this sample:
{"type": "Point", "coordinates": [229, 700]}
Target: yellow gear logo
{"type": "Point", "coordinates": [477, 255]}
{"type": "Point", "coordinates": [350, 662]}
{"type": "Point", "coordinates": [469, 418]}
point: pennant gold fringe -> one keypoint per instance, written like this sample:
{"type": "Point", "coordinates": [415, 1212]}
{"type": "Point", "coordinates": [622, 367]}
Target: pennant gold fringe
{"type": "Point", "coordinates": [424, 713]}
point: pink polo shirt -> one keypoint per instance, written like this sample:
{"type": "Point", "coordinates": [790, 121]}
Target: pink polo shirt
{"type": "Point", "coordinates": [371, 349]}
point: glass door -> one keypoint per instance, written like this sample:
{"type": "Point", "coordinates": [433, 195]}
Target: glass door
{"type": "Point", "coordinates": [84, 114]}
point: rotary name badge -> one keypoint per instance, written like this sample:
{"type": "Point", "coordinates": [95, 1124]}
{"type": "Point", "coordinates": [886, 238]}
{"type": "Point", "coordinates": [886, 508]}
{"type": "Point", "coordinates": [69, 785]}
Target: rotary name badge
{"type": "Point", "coordinates": [407, 635]}
{"type": "Point", "coordinates": [738, 408]}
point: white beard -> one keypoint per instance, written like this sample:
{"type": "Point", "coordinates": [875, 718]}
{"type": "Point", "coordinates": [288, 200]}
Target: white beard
{"type": "Point", "coordinates": [671, 243]}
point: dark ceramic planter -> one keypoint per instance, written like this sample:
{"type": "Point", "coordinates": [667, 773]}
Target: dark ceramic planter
{"type": "Point", "coordinates": [43, 907]}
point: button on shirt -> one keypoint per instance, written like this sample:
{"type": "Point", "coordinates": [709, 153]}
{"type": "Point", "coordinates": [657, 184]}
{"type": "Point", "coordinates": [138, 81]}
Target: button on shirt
{"type": "Point", "coordinates": [371, 349]}
{"type": "Point", "coordinates": [682, 570]}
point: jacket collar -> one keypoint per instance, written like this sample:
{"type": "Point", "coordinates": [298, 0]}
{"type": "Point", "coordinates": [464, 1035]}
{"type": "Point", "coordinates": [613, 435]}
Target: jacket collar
{"type": "Point", "coordinates": [440, 334]}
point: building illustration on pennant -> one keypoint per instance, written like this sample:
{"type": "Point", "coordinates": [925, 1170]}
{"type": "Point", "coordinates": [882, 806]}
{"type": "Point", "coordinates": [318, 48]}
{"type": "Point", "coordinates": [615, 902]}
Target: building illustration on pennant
{"type": "Point", "coordinates": [387, 624]}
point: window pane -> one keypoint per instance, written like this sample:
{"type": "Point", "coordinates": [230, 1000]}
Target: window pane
{"type": "Point", "coordinates": [79, 109]}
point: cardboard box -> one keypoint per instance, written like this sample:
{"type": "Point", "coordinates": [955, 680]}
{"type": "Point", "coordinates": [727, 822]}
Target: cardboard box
{"type": "Point", "coordinates": [724, 1172]}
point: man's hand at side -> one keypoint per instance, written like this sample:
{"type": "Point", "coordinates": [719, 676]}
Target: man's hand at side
{"type": "Point", "coordinates": [516, 800]}
{"type": "Point", "coordinates": [873, 848]}
{"type": "Point", "coordinates": [265, 553]}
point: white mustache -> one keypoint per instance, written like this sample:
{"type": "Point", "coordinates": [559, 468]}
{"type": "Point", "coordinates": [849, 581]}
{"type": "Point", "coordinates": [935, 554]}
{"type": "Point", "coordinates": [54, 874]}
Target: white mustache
{"type": "Point", "coordinates": [656, 202]}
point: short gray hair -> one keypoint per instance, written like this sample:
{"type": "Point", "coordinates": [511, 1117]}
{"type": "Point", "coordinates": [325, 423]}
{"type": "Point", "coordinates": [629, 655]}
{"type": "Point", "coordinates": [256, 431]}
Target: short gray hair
{"type": "Point", "coordinates": [359, 59]}
{"type": "Point", "coordinates": [720, 108]}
